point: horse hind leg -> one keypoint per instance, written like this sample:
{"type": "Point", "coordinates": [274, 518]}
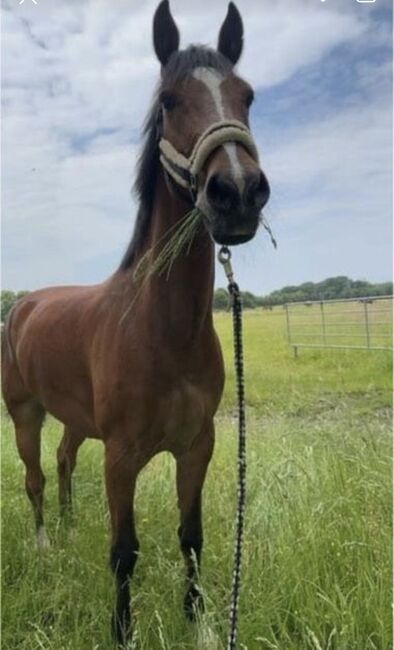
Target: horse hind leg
{"type": "Point", "coordinates": [66, 461]}
{"type": "Point", "coordinates": [28, 418]}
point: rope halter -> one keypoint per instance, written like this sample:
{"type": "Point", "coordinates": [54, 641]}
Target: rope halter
{"type": "Point", "coordinates": [185, 171]}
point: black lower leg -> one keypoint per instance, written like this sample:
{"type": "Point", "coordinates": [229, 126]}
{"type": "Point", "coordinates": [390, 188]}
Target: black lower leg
{"type": "Point", "coordinates": [65, 488]}
{"type": "Point", "coordinates": [191, 540]}
{"type": "Point", "coordinates": [123, 558]}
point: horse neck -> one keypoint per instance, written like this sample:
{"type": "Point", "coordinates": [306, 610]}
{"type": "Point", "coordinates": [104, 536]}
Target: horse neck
{"type": "Point", "coordinates": [178, 304]}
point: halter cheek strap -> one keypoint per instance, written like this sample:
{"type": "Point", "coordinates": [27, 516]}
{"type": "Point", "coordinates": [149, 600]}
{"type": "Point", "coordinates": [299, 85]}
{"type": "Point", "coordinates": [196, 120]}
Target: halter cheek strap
{"type": "Point", "coordinates": [185, 171]}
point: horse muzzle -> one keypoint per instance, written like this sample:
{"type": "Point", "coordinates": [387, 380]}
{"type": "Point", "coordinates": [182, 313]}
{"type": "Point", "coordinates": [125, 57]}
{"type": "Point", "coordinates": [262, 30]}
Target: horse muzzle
{"type": "Point", "coordinates": [232, 207]}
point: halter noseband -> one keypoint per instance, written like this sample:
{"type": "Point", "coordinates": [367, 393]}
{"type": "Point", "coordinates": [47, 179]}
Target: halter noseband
{"type": "Point", "coordinates": [184, 171]}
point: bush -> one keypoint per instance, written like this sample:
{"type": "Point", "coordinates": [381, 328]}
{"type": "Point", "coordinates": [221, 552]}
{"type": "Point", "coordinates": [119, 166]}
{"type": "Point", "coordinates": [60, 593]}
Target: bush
{"type": "Point", "coordinates": [8, 300]}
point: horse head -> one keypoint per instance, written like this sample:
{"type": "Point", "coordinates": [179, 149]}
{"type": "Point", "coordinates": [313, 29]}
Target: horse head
{"type": "Point", "coordinates": [206, 147]}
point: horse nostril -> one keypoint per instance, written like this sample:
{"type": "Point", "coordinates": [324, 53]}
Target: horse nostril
{"type": "Point", "coordinates": [257, 191]}
{"type": "Point", "coordinates": [222, 193]}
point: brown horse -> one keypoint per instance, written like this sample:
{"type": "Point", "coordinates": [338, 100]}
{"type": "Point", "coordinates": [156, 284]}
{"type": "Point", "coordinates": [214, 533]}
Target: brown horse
{"type": "Point", "coordinates": [147, 378]}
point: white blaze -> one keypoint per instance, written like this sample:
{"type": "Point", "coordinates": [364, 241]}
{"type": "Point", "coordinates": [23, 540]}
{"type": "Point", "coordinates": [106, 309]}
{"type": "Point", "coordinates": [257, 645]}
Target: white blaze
{"type": "Point", "coordinates": [212, 79]}
{"type": "Point", "coordinates": [236, 166]}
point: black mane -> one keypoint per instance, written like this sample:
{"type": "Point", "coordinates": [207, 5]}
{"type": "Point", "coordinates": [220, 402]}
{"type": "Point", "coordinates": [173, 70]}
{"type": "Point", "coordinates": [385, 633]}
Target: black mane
{"type": "Point", "coordinates": [179, 66]}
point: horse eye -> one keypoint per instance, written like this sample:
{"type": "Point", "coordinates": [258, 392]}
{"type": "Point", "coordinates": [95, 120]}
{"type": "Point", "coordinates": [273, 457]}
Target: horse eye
{"type": "Point", "coordinates": [168, 100]}
{"type": "Point", "coordinates": [249, 98]}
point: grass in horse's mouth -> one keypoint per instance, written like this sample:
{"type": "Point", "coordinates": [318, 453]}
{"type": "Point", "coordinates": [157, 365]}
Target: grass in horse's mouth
{"type": "Point", "coordinates": [160, 257]}
{"type": "Point", "coordinates": [267, 227]}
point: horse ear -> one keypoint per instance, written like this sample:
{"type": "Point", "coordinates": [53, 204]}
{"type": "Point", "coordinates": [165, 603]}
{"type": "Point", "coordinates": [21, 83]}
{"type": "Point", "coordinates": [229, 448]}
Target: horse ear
{"type": "Point", "coordinates": [165, 32]}
{"type": "Point", "coordinates": [231, 35]}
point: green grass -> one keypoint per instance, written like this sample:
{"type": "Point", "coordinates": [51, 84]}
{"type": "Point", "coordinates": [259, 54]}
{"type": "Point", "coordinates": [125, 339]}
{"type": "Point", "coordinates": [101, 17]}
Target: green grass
{"type": "Point", "coordinates": [317, 554]}
{"type": "Point", "coordinates": [316, 380]}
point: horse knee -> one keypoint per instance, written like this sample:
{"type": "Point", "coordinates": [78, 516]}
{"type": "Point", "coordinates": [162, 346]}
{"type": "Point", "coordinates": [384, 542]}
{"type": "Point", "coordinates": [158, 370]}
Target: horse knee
{"type": "Point", "coordinates": [123, 557]}
{"type": "Point", "coordinates": [35, 484]}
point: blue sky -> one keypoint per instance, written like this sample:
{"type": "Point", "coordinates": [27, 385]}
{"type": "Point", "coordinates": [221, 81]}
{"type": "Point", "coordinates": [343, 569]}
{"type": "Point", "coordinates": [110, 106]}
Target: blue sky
{"type": "Point", "coordinates": [77, 78]}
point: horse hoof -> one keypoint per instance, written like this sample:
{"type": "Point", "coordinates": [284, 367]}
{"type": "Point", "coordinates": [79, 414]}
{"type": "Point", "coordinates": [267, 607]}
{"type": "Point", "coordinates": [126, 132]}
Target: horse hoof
{"type": "Point", "coordinates": [121, 629]}
{"type": "Point", "coordinates": [42, 540]}
{"type": "Point", "coordinates": [193, 603]}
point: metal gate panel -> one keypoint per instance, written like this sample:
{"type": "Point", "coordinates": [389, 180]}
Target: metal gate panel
{"type": "Point", "coordinates": [349, 324]}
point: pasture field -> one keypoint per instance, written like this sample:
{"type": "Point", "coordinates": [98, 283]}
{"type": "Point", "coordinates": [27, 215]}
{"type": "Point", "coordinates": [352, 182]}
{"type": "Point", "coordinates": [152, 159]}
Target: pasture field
{"type": "Point", "coordinates": [317, 553]}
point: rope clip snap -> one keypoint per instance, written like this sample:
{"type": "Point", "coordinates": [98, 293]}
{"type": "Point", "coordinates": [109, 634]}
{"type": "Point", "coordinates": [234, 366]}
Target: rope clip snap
{"type": "Point", "coordinates": [224, 257]}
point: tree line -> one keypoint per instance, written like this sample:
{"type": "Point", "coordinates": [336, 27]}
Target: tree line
{"type": "Point", "coordinates": [329, 289]}
{"type": "Point", "coordinates": [8, 300]}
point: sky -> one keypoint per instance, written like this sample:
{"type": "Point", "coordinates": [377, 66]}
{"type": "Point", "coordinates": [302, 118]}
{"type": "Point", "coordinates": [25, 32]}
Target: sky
{"type": "Point", "coordinates": [77, 81]}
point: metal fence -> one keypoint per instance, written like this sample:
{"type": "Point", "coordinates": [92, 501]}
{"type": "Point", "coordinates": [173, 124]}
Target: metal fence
{"type": "Point", "coordinates": [356, 324]}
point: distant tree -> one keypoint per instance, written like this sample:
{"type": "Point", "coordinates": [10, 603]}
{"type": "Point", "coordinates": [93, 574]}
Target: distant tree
{"type": "Point", "coordinates": [329, 289]}
{"type": "Point", "coordinates": [8, 300]}
{"type": "Point", "coordinates": [249, 301]}
{"type": "Point", "coordinates": [220, 300]}
{"type": "Point", "coordinates": [384, 289]}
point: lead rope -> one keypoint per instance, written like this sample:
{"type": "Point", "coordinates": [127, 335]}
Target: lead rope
{"type": "Point", "coordinates": [224, 257]}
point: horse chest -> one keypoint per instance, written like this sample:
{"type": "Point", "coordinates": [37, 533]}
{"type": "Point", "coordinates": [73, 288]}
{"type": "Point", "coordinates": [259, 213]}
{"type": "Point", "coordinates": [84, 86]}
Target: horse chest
{"type": "Point", "coordinates": [181, 417]}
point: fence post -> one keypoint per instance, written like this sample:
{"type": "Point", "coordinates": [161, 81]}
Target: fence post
{"type": "Point", "coordinates": [323, 322]}
{"type": "Point", "coordinates": [288, 323]}
{"type": "Point", "coordinates": [366, 323]}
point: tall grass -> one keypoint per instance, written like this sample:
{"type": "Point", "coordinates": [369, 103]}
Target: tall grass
{"type": "Point", "coordinates": [317, 560]}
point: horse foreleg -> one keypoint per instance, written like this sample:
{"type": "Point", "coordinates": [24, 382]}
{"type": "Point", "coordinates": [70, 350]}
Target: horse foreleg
{"type": "Point", "coordinates": [121, 474]}
{"type": "Point", "coordinates": [66, 461]}
{"type": "Point", "coordinates": [28, 418]}
{"type": "Point", "coordinates": [191, 471]}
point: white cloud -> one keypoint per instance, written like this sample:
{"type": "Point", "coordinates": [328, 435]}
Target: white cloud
{"type": "Point", "coordinates": [331, 206]}
{"type": "Point", "coordinates": [292, 39]}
